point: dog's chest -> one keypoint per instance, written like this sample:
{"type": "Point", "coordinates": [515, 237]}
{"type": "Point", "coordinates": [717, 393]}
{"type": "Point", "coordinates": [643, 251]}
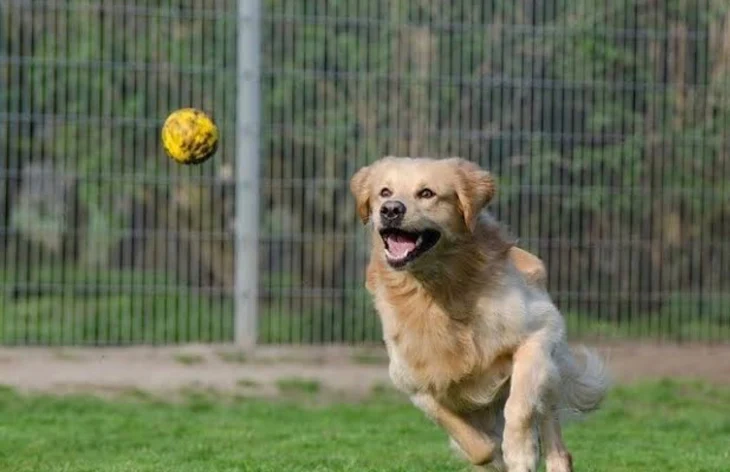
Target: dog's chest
{"type": "Point", "coordinates": [429, 351]}
{"type": "Point", "coordinates": [462, 384]}
{"type": "Point", "coordinates": [480, 389]}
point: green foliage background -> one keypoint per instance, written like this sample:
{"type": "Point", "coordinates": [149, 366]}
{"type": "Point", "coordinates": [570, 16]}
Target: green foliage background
{"type": "Point", "coordinates": [605, 123]}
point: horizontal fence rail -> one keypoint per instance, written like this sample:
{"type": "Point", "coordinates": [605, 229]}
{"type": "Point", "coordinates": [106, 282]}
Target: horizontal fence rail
{"type": "Point", "coordinates": [606, 124]}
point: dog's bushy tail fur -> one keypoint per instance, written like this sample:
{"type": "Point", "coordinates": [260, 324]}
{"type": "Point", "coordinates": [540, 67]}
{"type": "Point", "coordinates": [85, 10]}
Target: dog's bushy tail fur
{"type": "Point", "coordinates": [583, 384]}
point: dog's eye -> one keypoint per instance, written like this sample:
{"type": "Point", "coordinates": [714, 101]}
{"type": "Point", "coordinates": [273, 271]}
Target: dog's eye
{"type": "Point", "coordinates": [386, 193]}
{"type": "Point", "coordinates": [426, 193]}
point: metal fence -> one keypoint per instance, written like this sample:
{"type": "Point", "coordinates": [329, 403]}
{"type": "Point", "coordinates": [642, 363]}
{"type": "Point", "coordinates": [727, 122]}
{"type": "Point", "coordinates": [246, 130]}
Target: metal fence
{"type": "Point", "coordinates": [605, 122]}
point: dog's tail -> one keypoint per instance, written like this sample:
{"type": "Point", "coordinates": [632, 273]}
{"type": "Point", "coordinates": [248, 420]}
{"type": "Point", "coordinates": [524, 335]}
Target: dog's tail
{"type": "Point", "coordinates": [583, 384]}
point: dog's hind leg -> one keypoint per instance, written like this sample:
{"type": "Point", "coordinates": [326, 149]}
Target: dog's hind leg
{"type": "Point", "coordinates": [557, 457]}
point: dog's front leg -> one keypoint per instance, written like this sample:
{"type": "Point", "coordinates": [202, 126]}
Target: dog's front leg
{"type": "Point", "coordinates": [533, 372]}
{"type": "Point", "coordinates": [477, 447]}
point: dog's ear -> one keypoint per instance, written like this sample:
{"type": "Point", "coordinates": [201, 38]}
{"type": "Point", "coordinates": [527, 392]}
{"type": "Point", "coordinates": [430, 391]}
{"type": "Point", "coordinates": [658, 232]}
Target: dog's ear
{"type": "Point", "coordinates": [360, 188]}
{"type": "Point", "coordinates": [475, 188]}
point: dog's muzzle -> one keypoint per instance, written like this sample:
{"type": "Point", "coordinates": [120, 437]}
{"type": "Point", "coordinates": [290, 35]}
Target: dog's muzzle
{"type": "Point", "coordinates": [392, 213]}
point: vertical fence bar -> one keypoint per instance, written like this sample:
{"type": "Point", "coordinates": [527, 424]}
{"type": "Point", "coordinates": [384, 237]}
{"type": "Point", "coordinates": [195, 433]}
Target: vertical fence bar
{"type": "Point", "coordinates": [247, 173]}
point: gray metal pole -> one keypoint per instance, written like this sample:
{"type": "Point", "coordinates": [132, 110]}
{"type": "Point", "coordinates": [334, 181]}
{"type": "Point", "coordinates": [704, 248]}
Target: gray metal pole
{"type": "Point", "coordinates": [247, 173]}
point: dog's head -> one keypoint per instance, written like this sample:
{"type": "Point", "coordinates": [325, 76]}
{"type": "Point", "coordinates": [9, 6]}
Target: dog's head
{"type": "Point", "coordinates": [419, 205]}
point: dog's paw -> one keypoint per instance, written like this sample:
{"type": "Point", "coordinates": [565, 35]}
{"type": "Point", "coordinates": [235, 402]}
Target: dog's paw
{"type": "Point", "coordinates": [562, 462]}
{"type": "Point", "coordinates": [520, 451]}
{"type": "Point", "coordinates": [522, 461]}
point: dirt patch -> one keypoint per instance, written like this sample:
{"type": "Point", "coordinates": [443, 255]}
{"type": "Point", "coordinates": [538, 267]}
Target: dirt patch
{"type": "Point", "coordinates": [631, 362]}
{"type": "Point", "coordinates": [334, 369]}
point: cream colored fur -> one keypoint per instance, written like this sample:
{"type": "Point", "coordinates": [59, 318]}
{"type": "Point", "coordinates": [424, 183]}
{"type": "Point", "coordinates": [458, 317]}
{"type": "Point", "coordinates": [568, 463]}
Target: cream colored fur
{"type": "Point", "coordinates": [472, 335]}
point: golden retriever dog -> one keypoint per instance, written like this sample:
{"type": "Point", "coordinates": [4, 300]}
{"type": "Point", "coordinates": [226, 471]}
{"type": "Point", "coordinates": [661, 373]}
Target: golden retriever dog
{"type": "Point", "coordinates": [472, 335]}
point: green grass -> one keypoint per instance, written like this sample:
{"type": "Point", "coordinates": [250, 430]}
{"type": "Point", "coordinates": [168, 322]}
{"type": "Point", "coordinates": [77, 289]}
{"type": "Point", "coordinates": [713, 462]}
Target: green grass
{"type": "Point", "coordinates": [667, 326]}
{"type": "Point", "coordinates": [682, 317]}
{"type": "Point", "coordinates": [151, 307]}
{"type": "Point", "coordinates": [370, 357]}
{"type": "Point", "coordinates": [660, 427]}
{"type": "Point", "coordinates": [73, 306]}
{"type": "Point", "coordinates": [247, 383]}
{"type": "Point", "coordinates": [119, 319]}
{"type": "Point", "coordinates": [233, 357]}
{"type": "Point", "coordinates": [189, 359]}
{"type": "Point", "coordinates": [295, 385]}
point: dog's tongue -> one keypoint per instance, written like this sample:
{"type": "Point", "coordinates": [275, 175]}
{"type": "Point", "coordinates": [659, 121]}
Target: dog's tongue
{"type": "Point", "coordinates": [399, 245]}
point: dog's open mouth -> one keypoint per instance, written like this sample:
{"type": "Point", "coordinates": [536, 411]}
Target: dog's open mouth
{"type": "Point", "coordinates": [402, 247]}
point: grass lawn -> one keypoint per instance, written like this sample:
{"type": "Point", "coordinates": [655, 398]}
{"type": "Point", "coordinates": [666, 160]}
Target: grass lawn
{"type": "Point", "coordinates": [57, 305]}
{"type": "Point", "coordinates": [664, 426]}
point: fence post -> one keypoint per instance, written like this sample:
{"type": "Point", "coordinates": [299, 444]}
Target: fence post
{"type": "Point", "coordinates": [247, 173]}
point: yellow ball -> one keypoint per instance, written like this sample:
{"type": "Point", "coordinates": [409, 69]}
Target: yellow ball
{"type": "Point", "coordinates": [189, 136]}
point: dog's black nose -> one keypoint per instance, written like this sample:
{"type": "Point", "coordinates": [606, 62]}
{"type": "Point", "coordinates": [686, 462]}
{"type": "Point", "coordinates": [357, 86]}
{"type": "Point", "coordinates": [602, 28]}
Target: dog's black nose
{"type": "Point", "coordinates": [392, 212]}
